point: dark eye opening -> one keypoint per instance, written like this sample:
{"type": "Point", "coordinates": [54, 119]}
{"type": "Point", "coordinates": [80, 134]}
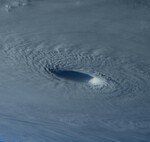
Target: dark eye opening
{"type": "Point", "coordinates": [71, 75]}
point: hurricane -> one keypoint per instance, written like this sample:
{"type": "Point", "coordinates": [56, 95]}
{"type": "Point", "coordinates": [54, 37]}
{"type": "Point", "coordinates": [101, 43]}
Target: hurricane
{"type": "Point", "coordinates": [74, 70]}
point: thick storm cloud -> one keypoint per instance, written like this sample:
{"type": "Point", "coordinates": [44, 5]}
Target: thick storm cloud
{"type": "Point", "coordinates": [74, 70]}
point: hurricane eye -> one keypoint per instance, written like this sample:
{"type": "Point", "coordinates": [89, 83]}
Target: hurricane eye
{"type": "Point", "coordinates": [71, 75]}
